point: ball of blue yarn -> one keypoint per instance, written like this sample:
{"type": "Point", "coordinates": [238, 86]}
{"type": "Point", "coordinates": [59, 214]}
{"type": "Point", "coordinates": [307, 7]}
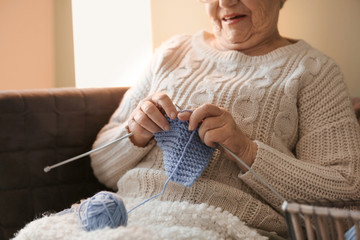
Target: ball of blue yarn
{"type": "Point", "coordinates": [104, 209]}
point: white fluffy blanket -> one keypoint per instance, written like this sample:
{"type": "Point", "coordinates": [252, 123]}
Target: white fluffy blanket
{"type": "Point", "coordinates": [154, 220]}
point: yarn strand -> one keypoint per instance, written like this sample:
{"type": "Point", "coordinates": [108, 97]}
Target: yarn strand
{"type": "Point", "coordinates": [169, 178]}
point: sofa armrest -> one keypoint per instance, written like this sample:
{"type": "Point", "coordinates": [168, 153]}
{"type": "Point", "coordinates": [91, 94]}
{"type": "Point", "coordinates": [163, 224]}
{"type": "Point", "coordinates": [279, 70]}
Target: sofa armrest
{"type": "Point", "coordinates": [39, 128]}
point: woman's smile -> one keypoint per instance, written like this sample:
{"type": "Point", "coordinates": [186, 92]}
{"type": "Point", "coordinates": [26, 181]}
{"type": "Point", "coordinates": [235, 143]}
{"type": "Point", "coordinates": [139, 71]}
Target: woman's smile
{"type": "Point", "coordinates": [233, 18]}
{"type": "Point", "coordinates": [249, 26]}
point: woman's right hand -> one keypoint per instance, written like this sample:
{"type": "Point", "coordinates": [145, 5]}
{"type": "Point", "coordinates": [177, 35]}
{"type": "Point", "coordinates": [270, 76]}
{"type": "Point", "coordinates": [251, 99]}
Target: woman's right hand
{"type": "Point", "coordinates": [148, 118]}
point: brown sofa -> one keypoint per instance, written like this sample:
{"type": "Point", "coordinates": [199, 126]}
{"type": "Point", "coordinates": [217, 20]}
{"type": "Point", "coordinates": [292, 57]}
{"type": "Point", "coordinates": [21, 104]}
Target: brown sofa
{"type": "Point", "coordinates": [40, 128]}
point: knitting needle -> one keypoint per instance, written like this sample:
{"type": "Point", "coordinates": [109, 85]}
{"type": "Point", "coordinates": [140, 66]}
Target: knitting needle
{"type": "Point", "coordinates": [254, 173]}
{"type": "Point", "coordinates": [250, 169]}
{"type": "Point", "coordinates": [48, 168]}
{"type": "Point", "coordinates": [178, 107]}
{"type": "Point", "coordinates": [285, 202]}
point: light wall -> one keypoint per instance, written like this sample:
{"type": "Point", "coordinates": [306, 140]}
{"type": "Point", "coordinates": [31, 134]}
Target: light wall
{"type": "Point", "coordinates": [64, 44]}
{"type": "Point", "coordinates": [36, 36]}
{"type": "Point", "coordinates": [36, 44]}
{"type": "Point", "coordinates": [329, 25]}
{"type": "Point", "coordinates": [112, 41]}
{"type": "Point", "coordinates": [171, 17]}
{"type": "Point", "coordinates": [26, 44]}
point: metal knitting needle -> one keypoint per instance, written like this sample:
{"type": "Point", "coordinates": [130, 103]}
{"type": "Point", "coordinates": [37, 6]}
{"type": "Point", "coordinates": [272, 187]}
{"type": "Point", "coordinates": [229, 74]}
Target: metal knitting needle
{"type": "Point", "coordinates": [178, 107]}
{"type": "Point", "coordinates": [254, 173]}
{"type": "Point", "coordinates": [285, 202]}
{"type": "Point", "coordinates": [48, 168]}
{"type": "Point", "coordinates": [250, 169]}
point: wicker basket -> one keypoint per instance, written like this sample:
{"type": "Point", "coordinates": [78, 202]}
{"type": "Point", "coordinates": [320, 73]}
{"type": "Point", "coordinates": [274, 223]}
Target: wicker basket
{"type": "Point", "coordinates": [309, 221]}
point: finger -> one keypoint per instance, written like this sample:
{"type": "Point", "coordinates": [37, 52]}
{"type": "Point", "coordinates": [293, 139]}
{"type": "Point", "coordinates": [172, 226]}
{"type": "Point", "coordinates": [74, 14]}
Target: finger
{"type": "Point", "coordinates": [137, 129]}
{"type": "Point", "coordinates": [211, 138]}
{"type": "Point", "coordinates": [154, 115]}
{"type": "Point", "coordinates": [141, 136]}
{"type": "Point", "coordinates": [201, 113]}
{"type": "Point", "coordinates": [164, 102]}
{"type": "Point", "coordinates": [212, 123]}
{"type": "Point", "coordinates": [184, 115]}
{"type": "Point", "coordinates": [222, 135]}
{"type": "Point", "coordinates": [145, 122]}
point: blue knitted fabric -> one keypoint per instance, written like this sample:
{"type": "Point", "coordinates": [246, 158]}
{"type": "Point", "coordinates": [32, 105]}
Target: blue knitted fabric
{"type": "Point", "coordinates": [180, 144]}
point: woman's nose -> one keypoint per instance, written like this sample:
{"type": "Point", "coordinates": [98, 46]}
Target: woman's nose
{"type": "Point", "coordinates": [227, 3]}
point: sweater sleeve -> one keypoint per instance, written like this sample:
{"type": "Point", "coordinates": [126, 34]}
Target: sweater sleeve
{"type": "Point", "coordinates": [111, 163]}
{"type": "Point", "coordinates": [326, 163]}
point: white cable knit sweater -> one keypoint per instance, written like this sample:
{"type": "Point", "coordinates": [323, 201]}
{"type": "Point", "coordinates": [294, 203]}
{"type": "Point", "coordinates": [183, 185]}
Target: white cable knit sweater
{"type": "Point", "coordinates": [292, 101]}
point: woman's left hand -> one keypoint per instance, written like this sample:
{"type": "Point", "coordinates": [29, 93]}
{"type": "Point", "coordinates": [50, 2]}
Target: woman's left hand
{"type": "Point", "coordinates": [218, 126]}
{"type": "Point", "coordinates": [356, 105]}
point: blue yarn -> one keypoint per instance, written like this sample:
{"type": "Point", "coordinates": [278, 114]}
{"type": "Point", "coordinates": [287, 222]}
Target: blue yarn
{"type": "Point", "coordinates": [185, 158]}
{"type": "Point", "coordinates": [102, 210]}
{"type": "Point", "coordinates": [181, 145]}
{"type": "Point", "coordinates": [166, 183]}
{"type": "Point", "coordinates": [351, 233]}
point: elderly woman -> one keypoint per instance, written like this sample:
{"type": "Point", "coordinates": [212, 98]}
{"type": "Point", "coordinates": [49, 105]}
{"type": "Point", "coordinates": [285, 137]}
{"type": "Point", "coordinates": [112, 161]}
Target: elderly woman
{"type": "Point", "coordinates": [277, 103]}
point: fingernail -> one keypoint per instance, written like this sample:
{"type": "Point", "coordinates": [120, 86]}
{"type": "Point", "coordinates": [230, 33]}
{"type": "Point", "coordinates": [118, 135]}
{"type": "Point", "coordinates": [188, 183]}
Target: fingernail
{"type": "Point", "coordinates": [173, 115]}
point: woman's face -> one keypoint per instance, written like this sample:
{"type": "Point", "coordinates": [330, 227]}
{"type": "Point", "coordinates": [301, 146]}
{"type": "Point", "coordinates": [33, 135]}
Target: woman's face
{"type": "Point", "coordinates": [244, 24]}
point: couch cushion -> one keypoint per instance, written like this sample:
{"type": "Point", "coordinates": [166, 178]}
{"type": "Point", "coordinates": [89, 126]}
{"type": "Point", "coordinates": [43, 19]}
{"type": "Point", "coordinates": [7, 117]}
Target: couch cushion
{"type": "Point", "coordinates": [40, 128]}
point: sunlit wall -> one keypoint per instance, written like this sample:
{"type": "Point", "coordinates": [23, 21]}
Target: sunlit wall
{"type": "Point", "coordinates": [112, 41]}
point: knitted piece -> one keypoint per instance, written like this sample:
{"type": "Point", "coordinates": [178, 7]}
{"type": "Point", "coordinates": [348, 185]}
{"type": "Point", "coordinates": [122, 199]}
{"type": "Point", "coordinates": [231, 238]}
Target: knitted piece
{"type": "Point", "coordinates": [180, 144]}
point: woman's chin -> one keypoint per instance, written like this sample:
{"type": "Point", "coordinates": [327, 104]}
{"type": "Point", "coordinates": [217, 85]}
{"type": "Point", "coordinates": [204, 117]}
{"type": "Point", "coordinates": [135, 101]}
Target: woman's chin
{"type": "Point", "coordinates": [232, 45]}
